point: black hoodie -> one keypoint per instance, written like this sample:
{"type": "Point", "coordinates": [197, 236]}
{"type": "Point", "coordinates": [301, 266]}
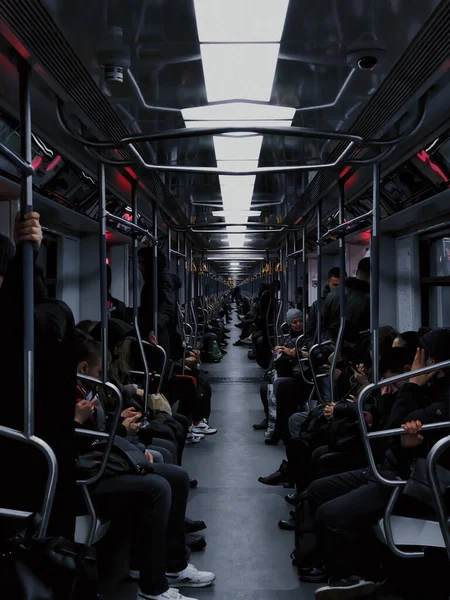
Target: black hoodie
{"type": "Point", "coordinates": [169, 333]}
{"type": "Point", "coordinates": [311, 323]}
{"type": "Point", "coordinates": [357, 305]}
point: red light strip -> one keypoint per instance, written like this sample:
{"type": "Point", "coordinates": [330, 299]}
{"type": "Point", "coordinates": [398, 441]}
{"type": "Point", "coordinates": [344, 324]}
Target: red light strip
{"type": "Point", "coordinates": [424, 157]}
{"type": "Point", "coordinates": [36, 162]}
{"type": "Point", "coordinates": [53, 164]}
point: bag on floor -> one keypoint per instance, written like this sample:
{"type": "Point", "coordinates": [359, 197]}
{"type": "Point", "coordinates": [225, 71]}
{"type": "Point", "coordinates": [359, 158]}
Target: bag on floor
{"type": "Point", "coordinates": [272, 406]}
{"type": "Point", "coordinates": [50, 568]}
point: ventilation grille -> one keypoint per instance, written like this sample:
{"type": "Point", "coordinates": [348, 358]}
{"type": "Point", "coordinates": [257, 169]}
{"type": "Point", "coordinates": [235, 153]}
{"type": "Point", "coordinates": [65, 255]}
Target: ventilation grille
{"type": "Point", "coordinates": [34, 27]}
{"type": "Point", "coordinates": [427, 53]}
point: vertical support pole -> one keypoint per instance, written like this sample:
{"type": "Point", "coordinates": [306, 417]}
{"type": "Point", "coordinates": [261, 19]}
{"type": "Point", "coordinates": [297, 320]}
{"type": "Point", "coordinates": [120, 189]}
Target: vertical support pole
{"type": "Point", "coordinates": [187, 266]}
{"type": "Point", "coordinates": [135, 270]}
{"type": "Point", "coordinates": [319, 274]}
{"type": "Point", "coordinates": [305, 277]}
{"type": "Point", "coordinates": [375, 273]}
{"type": "Point", "coordinates": [155, 272]}
{"type": "Point", "coordinates": [26, 206]}
{"type": "Point", "coordinates": [341, 293]}
{"type": "Point", "coordinates": [285, 271]}
{"type": "Point", "coordinates": [169, 253]}
{"type": "Point", "coordinates": [103, 275]}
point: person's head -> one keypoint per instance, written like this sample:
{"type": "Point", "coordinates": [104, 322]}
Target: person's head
{"type": "Point", "coordinates": [363, 271]}
{"type": "Point", "coordinates": [386, 337]}
{"type": "Point", "coordinates": [86, 325]}
{"type": "Point", "coordinates": [395, 362]}
{"type": "Point", "coordinates": [436, 344]}
{"type": "Point", "coordinates": [409, 340]}
{"type": "Point", "coordinates": [334, 278]}
{"type": "Point", "coordinates": [89, 359]}
{"type": "Point", "coordinates": [422, 331]}
{"type": "Point", "coordinates": [7, 252]}
{"type": "Point", "coordinates": [294, 318]}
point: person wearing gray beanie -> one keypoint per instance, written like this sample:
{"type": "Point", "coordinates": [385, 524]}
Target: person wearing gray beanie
{"type": "Point", "coordinates": [293, 313]}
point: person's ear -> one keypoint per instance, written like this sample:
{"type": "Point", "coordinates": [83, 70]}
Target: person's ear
{"type": "Point", "coordinates": [82, 368]}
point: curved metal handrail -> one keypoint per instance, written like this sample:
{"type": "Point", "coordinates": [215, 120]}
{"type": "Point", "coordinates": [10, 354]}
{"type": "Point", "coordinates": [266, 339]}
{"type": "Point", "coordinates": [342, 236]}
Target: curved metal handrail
{"type": "Point", "coordinates": [52, 478]}
{"type": "Point", "coordinates": [438, 500]}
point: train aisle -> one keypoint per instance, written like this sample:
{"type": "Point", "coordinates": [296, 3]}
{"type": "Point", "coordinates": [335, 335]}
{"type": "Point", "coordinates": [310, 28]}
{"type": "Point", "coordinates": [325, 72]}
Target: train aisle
{"type": "Point", "coordinates": [246, 550]}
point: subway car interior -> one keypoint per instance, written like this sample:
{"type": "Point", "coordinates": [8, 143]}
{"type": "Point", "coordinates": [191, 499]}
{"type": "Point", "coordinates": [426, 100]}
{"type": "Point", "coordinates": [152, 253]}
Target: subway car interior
{"type": "Point", "coordinates": [225, 256]}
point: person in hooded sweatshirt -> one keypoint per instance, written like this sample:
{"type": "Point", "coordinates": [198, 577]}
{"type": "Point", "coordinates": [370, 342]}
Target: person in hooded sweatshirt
{"type": "Point", "coordinates": [333, 281]}
{"type": "Point", "coordinates": [168, 334]}
{"type": "Point", "coordinates": [357, 300]}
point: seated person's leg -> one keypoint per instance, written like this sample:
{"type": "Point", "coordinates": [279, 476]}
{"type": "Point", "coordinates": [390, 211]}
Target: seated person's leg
{"type": "Point", "coordinates": [150, 498]}
{"type": "Point", "coordinates": [345, 507]}
{"type": "Point", "coordinates": [160, 455]}
{"type": "Point", "coordinates": [169, 446]}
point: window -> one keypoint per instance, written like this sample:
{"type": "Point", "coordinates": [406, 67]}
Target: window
{"type": "Point", "coordinates": [435, 281]}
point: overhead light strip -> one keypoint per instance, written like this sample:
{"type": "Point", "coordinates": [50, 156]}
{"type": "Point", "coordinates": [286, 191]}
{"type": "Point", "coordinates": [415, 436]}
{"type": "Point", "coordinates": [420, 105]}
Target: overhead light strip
{"type": "Point", "coordinates": [239, 45]}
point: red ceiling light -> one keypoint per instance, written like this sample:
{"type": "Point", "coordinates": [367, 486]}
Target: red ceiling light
{"type": "Point", "coordinates": [36, 162]}
{"type": "Point", "coordinates": [424, 157]}
{"type": "Point", "coordinates": [53, 164]}
{"type": "Point", "coordinates": [299, 220]}
{"type": "Point", "coordinates": [131, 173]}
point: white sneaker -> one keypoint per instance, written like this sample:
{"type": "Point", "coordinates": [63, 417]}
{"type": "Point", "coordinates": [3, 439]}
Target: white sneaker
{"type": "Point", "coordinates": [170, 594]}
{"type": "Point", "coordinates": [203, 428]}
{"type": "Point", "coordinates": [248, 341]}
{"type": "Point", "coordinates": [190, 577]}
{"type": "Point", "coordinates": [193, 438]}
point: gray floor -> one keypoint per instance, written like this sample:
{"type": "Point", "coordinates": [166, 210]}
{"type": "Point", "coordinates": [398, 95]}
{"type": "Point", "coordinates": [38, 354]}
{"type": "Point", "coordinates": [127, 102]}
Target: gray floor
{"type": "Point", "coordinates": [246, 550]}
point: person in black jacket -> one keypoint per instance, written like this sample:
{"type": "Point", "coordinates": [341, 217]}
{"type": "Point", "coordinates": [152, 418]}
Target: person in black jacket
{"type": "Point", "coordinates": [357, 300]}
{"type": "Point", "coordinates": [54, 390]}
{"type": "Point", "coordinates": [168, 335]}
{"type": "Point", "coordinates": [346, 506]}
{"type": "Point", "coordinates": [116, 308]}
{"type": "Point", "coordinates": [333, 281]}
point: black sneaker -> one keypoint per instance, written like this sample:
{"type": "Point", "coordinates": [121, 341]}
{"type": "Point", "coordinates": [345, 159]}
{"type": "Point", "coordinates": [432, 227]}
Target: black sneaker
{"type": "Point", "coordinates": [346, 589]}
{"type": "Point", "coordinates": [262, 425]}
{"type": "Point", "coordinates": [313, 574]}
{"type": "Point", "coordinates": [191, 526]}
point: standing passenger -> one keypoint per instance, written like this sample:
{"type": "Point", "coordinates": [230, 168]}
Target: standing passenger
{"type": "Point", "coordinates": [168, 334]}
{"type": "Point", "coordinates": [54, 369]}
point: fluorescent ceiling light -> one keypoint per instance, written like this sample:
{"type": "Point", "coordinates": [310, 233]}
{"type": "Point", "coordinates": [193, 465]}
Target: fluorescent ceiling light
{"type": "Point", "coordinates": [234, 264]}
{"type": "Point", "coordinates": [240, 21]}
{"type": "Point", "coordinates": [236, 198]}
{"type": "Point", "coordinates": [241, 182]}
{"type": "Point", "coordinates": [232, 148]}
{"type": "Point", "coordinates": [235, 71]}
{"type": "Point", "coordinates": [236, 216]}
{"type": "Point", "coordinates": [237, 241]}
{"type": "Point", "coordinates": [237, 111]}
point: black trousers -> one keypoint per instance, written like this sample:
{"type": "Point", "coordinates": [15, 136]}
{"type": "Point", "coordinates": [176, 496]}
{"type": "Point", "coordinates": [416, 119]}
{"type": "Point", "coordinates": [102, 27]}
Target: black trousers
{"type": "Point", "coordinates": [344, 508]}
{"type": "Point", "coordinates": [289, 392]}
{"type": "Point", "coordinates": [155, 505]}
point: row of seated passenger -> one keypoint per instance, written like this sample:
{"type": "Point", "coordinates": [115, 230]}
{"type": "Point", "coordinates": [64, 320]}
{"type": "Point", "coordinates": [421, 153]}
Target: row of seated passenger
{"type": "Point", "coordinates": [337, 498]}
{"type": "Point", "coordinates": [144, 489]}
